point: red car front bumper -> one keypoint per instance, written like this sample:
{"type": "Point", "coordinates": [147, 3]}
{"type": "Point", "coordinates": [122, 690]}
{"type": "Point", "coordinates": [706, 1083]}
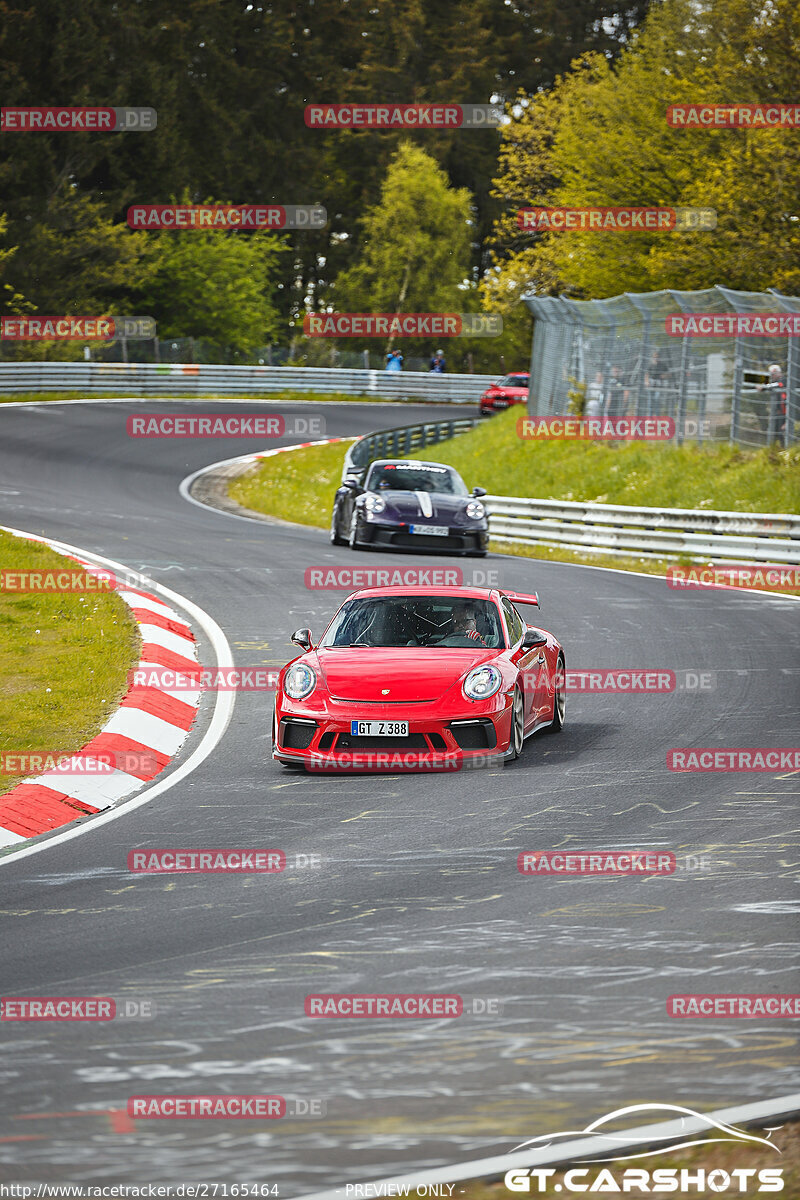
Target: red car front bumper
{"type": "Point", "coordinates": [436, 741]}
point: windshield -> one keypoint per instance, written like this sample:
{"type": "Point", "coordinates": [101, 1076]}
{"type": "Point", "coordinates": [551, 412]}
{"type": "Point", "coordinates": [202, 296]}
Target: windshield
{"type": "Point", "coordinates": [416, 621]}
{"type": "Point", "coordinates": [520, 381]}
{"type": "Point", "coordinates": [415, 479]}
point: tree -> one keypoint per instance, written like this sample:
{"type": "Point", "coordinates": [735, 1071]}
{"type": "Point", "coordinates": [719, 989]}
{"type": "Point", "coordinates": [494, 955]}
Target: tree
{"type": "Point", "coordinates": [601, 138]}
{"type": "Point", "coordinates": [214, 285]}
{"type": "Point", "coordinates": [415, 254]}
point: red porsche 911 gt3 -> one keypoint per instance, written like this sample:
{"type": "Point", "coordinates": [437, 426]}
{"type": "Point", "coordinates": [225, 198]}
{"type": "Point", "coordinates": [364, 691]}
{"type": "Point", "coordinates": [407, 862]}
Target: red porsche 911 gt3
{"type": "Point", "coordinates": [418, 680]}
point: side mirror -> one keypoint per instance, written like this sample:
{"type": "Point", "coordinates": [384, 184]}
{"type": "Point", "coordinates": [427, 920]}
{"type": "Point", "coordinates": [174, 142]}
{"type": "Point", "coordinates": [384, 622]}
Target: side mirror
{"type": "Point", "coordinates": [533, 637]}
{"type": "Point", "coordinates": [352, 483]}
{"type": "Point", "coordinates": [302, 638]}
{"type": "Point", "coordinates": [479, 491]}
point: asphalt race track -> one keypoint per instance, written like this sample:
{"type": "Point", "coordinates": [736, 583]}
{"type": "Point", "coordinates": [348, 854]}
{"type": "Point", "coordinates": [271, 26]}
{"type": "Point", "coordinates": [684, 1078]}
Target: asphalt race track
{"type": "Point", "coordinates": [418, 888]}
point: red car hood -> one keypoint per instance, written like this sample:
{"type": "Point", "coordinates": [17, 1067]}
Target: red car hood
{"type": "Point", "coordinates": [408, 673]}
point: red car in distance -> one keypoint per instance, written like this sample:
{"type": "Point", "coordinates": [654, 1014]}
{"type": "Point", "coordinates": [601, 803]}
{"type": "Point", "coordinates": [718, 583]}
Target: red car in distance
{"type": "Point", "coordinates": [512, 389]}
{"type": "Point", "coordinates": [426, 679]}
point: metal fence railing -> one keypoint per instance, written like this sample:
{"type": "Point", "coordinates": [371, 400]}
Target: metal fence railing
{"type": "Point", "coordinates": [617, 355]}
{"type": "Point", "coordinates": [646, 532]}
{"type": "Point", "coordinates": [389, 443]}
{"type": "Point", "coordinates": [150, 379]}
{"type": "Point", "coordinates": [604, 528]}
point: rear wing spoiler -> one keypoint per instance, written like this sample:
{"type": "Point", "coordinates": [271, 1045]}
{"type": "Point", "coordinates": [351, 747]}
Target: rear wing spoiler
{"type": "Point", "coordinates": [523, 597]}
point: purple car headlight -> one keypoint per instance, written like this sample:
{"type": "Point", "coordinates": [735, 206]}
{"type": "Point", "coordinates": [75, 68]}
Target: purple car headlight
{"type": "Point", "coordinates": [482, 682]}
{"type": "Point", "coordinates": [374, 504]}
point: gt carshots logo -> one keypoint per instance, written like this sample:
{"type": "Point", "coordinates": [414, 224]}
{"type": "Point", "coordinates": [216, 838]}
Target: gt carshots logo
{"type": "Point", "coordinates": [688, 1132]}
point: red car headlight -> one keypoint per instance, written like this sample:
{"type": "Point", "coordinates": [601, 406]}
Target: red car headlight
{"type": "Point", "coordinates": [299, 681]}
{"type": "Point", "coordinates": [482, 683]}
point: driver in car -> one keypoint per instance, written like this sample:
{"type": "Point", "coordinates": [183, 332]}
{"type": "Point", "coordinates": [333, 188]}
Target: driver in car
{"type": "Point", "coordinates": [465, 624]}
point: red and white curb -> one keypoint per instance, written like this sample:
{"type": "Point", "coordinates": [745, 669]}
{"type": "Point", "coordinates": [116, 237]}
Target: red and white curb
{"type": "Point", "coordinates": [150, 726]}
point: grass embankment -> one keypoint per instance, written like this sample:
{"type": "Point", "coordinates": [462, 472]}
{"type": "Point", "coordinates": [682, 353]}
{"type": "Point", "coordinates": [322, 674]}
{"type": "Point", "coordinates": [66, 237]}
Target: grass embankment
{"type": "Point", "coordinates": [728, 1157]}
{"type": "Point", "coordinates": [64, 659]}
{"type": "Point", "coordinates": [300, 486]}
{"type": "Point", "coordinates": [644, 474]}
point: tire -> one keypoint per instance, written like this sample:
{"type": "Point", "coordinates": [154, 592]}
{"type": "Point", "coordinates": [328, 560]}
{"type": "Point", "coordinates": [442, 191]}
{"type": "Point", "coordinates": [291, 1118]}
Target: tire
{"type": "Point", "coordinates": [351, 541]}
{"type": "Point", "coordinates": [517, 725]}
{"type": "Point", "coordinates": [559, 700]}
{"type": "Point", "coordinates": [336, 538]}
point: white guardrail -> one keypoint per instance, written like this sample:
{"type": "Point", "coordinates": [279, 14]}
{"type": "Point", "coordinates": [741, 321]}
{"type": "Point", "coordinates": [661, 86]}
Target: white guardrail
{"type": "Point", "coordinates": [150, 379]}
{"type": "Point", "coordinates": [647, 532]}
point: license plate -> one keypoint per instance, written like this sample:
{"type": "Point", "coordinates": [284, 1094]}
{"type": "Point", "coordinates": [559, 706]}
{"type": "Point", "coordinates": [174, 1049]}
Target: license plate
{"type": "Point", "coordinates": [431, 530]}
{"type": "Point", "coordinates": [379, 728]}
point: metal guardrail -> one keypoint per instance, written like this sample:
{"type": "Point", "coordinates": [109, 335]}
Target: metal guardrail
{"type": "Point", "coordinates": [605, 528]}
{"type": "Point", "coordinates": [388, 443]}
{"type": "Point", "coordinates": [646, 532]}
{"type": "Point", "coordinates": [146, 379]}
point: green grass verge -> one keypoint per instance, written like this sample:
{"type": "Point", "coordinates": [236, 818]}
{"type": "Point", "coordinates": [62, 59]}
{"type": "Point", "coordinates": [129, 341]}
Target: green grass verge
{"type": "Point", "coordinates": [648, 474]}
{"type": "Point", "coordinates": [299, 486]}
{"type": "Point", "coordinates": [64, 659]}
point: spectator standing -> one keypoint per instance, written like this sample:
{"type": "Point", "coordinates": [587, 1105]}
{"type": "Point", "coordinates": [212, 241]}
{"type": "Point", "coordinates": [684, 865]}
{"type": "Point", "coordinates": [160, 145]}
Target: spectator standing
{"type": "Point", "coordinates": [394, 361]}
{"type": "Point", "coordinates": [438, 364]}
{"type": "Point", "coordinates": [594, 397]}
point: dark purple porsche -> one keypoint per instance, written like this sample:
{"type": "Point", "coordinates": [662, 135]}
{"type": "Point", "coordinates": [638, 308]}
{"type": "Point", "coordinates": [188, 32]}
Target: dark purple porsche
{"type": "Point", "coordinates": [405, 504]}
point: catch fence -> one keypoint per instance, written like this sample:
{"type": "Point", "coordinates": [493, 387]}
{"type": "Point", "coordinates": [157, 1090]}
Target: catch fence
{"type": "Point", "coordinates": [615, 357]}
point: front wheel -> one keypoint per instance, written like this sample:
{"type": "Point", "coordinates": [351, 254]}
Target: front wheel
{"type": "Point", "coordinates": [559, 698]}
{"type": "Point", "coordinates": [336, 538]}
{"type": "Point", "coordinates": [517, 725]}
{"type": "Point", "coordinates": [352, 542]}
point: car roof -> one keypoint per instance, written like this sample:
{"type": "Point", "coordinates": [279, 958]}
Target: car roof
{"type": "Point", "coordinates": [410, 462]}
{"type": "Point", "coordinates": [465, 593]}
